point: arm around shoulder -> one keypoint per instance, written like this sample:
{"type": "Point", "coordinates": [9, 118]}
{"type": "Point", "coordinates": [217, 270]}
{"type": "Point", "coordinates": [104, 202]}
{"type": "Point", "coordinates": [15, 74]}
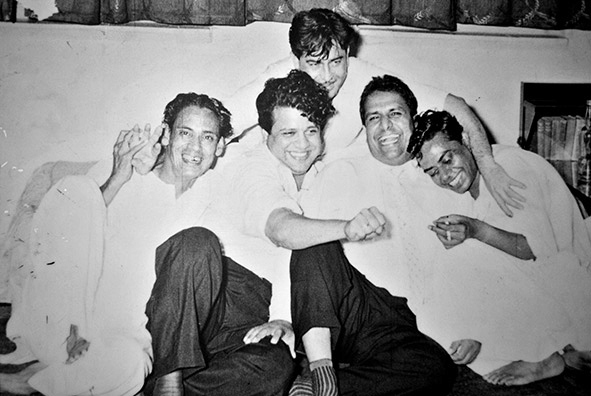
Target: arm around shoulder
{"type": "Point", "coordinates": [499, 183]}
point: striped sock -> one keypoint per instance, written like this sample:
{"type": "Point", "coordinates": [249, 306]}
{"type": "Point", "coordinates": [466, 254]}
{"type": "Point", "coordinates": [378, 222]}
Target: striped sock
{"type": "Point", "coordinates": [302, 386]}
{"type": "Point", "coordinates": [324, 378]}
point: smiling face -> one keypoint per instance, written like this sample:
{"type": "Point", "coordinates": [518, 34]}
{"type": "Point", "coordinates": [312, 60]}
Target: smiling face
{"type": "Point", "coordinates": [388, 124]}
{"type": "Point", "coordinates": [329, 71]}
{"type": "Point", "coordinates": [194, 143]}
{"type": "Point", "coordinates": [450, 165]}
{"type": "Point", "coordinates": [295, 141]}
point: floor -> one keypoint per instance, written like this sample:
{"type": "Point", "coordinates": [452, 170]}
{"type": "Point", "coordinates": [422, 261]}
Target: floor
{"type": "Point", "coordinates": [570, 383]}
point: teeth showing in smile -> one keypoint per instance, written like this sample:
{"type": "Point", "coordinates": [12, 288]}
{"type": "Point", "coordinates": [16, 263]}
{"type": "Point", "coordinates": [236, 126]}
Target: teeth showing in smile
{"type": "Point", "coordinates": [298, 155]}
{"type": "Point", "coordinates": [388, 140]}
{"type": "Point", "coordinates": [455, 182]}
{"type": "Point", "coordinates": [192, 159]}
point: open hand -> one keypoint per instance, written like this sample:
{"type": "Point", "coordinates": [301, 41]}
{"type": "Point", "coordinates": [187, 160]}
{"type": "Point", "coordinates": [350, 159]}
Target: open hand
{"type": "Point", "coordinates": [502, 188]}
{"type": "Point", "coordinates": [144, 160]}
{"type": "Point", "coordinates": [277, 329]}
{"type": "Point", "coordinates": [128, 144]}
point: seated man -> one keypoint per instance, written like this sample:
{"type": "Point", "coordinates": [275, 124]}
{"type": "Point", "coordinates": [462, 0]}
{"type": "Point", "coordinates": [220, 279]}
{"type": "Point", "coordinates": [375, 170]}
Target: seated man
{"type": "Point", "coordinates": [322, 45]}
{"type": "Point", "coordinates": [269, 182]}
{"type": "Point", "coordinates": [399, 259]}
{"type": "Point", "coordinates": [522, 283]}
{"type": "Point", "coordinates": [358, 336]}
{"type": "Point", "coordinates": [83, 306]}
{"type": "Point", "coordinates": [258, 217]}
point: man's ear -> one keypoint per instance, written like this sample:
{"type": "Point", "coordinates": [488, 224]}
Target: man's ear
{"type": "Point", "coordinates": [221, 147]}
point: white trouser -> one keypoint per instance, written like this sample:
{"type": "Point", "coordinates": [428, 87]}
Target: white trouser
{"type": "Point", "coordinates": [67, 245]}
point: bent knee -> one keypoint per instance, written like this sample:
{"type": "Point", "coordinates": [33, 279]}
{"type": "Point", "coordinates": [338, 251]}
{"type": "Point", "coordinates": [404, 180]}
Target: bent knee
{"type": "Point", "coordinates": [77, 190]}
{"type": "Point", "coordinates": [194, 239]}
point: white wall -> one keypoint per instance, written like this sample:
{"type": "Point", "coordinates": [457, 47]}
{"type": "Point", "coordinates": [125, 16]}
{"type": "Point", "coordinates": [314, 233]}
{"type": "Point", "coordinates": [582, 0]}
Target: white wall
{"type": "Point", "coordinates": [67, 90]}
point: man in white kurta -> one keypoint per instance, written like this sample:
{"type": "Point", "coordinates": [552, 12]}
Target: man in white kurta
{"type": "Point", "coordinates": [101, 278]}
{"type": "Point", "coordinates": [523, 309]}
{"type": "Point", "coordinates": [93, 251]}
{"type": "Point", "coordinates": [442, 287]}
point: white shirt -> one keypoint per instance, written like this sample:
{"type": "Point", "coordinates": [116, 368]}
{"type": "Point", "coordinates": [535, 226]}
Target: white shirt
{"type": "Point", "coordinates": [255, 184]}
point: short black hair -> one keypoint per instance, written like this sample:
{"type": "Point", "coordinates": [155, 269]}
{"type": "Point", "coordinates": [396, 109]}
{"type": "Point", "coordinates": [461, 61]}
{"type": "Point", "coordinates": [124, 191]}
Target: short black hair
{"type": "Point", "coordinates": [388, 83]}
{"type": "Point", "coordinates": [316, 31]}
{"type": "Point", "coordinates": [299, 91]}
{"type": "Point", "coordinates": [430, 123]}
{"type": "Point", "coordinates": [184, 100]}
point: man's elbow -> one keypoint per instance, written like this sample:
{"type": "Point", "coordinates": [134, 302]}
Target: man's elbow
{"type": "Point", "coordinates": [281, 237]}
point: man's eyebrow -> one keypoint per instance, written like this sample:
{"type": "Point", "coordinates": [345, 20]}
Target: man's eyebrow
{"type": "Point", "coordinates": [438, 161]}
{"type": "Point", "coordinates": [427, 169]}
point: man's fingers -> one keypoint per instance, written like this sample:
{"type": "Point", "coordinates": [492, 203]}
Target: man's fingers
{"type": "Point", "coordinates": [154, 137]}
{"type": "Point", "coordinates": [134, 149]}
{"type": "Point", "coordinates": [252, 335]}
{"type": "Point", "coordinates": [503, 205]}
{"type": "Point", "coordinates": [277, 334]}
{"type": "Point", "coordinates": [378, 216]}
{"type": "Point", "coordinates": [517, 183]}
{"type": "Point", "coordinates": [121, 136]}
{"type": "Point", "coordinates": [514, 195]}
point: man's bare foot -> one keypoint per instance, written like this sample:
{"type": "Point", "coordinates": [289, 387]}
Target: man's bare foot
{"type": "Point", "coordinates": [169, 385]}
{"type": "Point", "coordinates": [17, 383]}
{"type": "Point", "coordinates": [579, 360]}
{"type": "Point", "coordinates": [521, 373]}
{"type": "Point", "coordinates": [76, 346]}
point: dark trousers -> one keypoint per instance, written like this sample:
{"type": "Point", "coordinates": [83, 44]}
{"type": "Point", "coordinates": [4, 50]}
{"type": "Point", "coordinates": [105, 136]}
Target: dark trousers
{"type": "Point", "coordinates": [374, 335]}
{"type": "Point", "coordinates": [202, 305]}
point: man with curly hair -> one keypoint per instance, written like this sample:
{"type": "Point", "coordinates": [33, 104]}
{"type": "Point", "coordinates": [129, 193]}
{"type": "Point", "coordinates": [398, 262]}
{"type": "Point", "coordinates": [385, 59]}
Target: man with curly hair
{"type": "Point", "coordinates": [263, 222]}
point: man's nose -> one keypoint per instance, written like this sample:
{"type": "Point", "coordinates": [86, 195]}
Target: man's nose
{"type": "Point", "coordinates": [326, 72]}
{"type": "Point", "coordinates": [445, 172]}
{"type": "Point", "coordinates": [386, 123]}
{"type": "Point", "coordinates": [195, 144]}
{"type": "Point", "coordinates": [302, 140]}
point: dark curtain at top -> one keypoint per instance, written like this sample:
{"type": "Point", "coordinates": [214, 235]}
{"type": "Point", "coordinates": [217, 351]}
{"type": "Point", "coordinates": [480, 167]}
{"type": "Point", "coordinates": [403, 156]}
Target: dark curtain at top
{"type": "Point", "coordinates": [428, 14]}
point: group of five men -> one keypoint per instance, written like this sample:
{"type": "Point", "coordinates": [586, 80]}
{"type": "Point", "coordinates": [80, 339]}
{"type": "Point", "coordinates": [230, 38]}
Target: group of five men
{"type": "Point", "coordinates": [242, 250]}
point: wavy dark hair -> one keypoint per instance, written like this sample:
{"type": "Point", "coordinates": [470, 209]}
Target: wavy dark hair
{"type": "Point", "coordinates": [388, 83]}
{"type": "Point", "coordinates": [299, 91]}
{"type": "Point", "coordinates": [184, 100]}
{"type": "Point", "coordinates": [315, 32]}
{"type": "Point", "coordinates": [430, 123]}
